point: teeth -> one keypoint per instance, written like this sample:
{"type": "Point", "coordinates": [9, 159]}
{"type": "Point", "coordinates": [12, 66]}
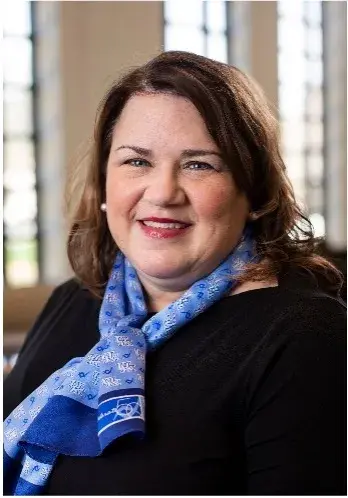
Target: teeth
{"type": "Point", "coordinates": [157, 224]}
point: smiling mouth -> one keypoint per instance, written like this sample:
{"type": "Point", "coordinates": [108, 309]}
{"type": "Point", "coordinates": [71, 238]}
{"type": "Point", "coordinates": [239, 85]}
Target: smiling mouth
{"type": "Point", "coordinates": [165, 225]}
{"type": "Point", "coordinates": [163, 230]}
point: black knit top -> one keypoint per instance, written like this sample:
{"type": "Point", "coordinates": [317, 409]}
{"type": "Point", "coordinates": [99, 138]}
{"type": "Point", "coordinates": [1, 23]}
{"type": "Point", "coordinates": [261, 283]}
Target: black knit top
{"type": "Point", "coordinates": [248, 398]}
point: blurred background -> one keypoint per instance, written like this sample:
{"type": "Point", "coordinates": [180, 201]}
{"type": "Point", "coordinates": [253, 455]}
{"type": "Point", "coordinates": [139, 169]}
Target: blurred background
{"type": "Point", "coordinates": [60, 57]}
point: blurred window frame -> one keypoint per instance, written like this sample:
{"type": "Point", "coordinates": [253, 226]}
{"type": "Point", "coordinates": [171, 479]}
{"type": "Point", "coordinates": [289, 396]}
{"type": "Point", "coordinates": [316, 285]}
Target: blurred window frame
{"type": "Point", "coordinates": [21, 240]}
{"type": "Point", "coordinates": [301, 104]}
{"type": "Point", "coordinates": [207, 27]}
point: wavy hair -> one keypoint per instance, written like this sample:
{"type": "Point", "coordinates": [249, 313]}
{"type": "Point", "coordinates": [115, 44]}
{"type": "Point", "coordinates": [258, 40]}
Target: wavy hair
{"type": "Point", "coordinates": [241, 122]}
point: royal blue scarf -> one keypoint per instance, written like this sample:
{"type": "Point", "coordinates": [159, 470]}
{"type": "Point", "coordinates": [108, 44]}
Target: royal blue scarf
{"type": "Point", "coordinates": [93, 400]}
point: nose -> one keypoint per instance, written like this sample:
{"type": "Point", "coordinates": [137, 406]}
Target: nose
{"type": "Point", "coordinates": [164, 188]}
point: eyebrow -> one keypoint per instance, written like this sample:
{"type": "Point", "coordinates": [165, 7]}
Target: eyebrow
{"type": "Point", "coordinates": [185, 153]}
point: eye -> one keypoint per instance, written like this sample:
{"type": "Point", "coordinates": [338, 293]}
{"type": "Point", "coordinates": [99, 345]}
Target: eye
{"type": "Point", "coordinates": [138, 163]}
{"type": "Point", "coordinates": [198, 166]}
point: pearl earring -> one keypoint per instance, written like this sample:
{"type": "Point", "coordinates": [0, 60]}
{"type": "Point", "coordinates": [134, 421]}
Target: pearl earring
{"type": "Point", "coordinates": [103, 207]}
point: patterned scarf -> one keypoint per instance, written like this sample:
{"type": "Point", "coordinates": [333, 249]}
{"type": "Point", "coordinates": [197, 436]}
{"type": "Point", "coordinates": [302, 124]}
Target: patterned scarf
{"type": "Point", "coordinates": [93, 400]}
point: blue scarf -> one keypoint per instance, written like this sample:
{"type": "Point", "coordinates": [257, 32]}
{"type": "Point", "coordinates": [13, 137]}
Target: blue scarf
{"type": "Point", "coordinates": [93, 400]}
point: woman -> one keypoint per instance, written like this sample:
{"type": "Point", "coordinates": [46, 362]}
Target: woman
{"type": "Point", "coordinates": [215, 313]}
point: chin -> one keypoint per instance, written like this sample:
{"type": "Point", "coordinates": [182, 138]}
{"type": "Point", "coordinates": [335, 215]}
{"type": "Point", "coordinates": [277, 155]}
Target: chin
{"type": "Point", "coordinates": [161, 271]}
{"type": "Point", "coordinates": [165, 269]}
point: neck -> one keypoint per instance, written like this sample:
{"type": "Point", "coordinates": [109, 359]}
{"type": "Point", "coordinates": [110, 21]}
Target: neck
{"type": "Point", "coordinates": [158, 296]}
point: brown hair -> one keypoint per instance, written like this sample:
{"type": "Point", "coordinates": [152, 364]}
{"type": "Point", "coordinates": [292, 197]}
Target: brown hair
{"type": "Point", "coordinates": [240, 121]}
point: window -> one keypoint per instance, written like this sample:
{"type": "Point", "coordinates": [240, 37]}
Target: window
{"type": "Point", "coordinates": [20, 186]}
{"type": "Point", "coordinates": [197, 26]}
{"type": "Point", "coordinates": [300, 48]}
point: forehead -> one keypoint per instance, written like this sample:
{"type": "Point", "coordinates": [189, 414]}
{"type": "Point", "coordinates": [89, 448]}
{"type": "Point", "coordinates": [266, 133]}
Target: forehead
{"type": "Point", "coordinates": [156, 117]}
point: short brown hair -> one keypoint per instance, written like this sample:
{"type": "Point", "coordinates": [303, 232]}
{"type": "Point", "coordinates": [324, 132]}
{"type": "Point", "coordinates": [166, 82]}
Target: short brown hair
{"type": "Point", "coordinates": [241, 123]}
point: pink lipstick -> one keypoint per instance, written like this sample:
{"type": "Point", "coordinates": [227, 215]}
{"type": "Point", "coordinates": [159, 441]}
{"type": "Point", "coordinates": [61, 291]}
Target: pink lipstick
{"type": "Point", "coordinates": [163, 228]}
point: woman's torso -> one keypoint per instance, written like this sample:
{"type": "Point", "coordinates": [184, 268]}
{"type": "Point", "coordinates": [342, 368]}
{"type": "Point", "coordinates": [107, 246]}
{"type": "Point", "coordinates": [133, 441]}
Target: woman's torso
{"type": "Point", "coordinates": [200, 390]}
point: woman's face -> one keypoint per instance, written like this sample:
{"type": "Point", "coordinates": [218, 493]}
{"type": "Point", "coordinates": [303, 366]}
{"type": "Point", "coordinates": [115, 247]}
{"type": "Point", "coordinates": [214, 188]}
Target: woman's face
{"type": "Point", "coordinates": [163, 164]}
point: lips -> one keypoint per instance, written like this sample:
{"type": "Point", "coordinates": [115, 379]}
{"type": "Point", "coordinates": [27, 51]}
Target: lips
{"type": "Point", "coordinates": [163, 228]}
{"type": "Point", "coordinates": [154, 219]}
{"type": "Point", "coordinates": [157, 224]}
{"type": "Point", "coordinates": [164, 223]}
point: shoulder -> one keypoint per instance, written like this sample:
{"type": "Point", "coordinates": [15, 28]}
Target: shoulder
{"type": "Point", "coordinates": [298, 303]}
{"type": "Point", "coordinates": [69, 302]}
{"type": "Point", "coordinates": [270, 324]}
{"type": "Point", "coordinates": [67, 288]}
{"type": "Point", "coordinates": [312, 330]}
{"type": "Point", "coordinates": [290, 340]}
{"type": "Point", "coordinates": [309, 309]}
{"type": "Point", "coordinates": [71, 292]}
{"type": "Point", "coordinates": [304, 315]}
{"type": "Point", "coordinates": [67, 327]}
{"type": "Point", "coordinates": [303, 332]}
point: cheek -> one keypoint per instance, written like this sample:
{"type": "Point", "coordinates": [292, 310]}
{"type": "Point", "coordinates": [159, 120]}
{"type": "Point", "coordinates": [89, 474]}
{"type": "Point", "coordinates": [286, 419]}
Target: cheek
{"type": "Point", "coordinates": [217, 203]}
{"type": "Point", "coordinates": [121, 195]}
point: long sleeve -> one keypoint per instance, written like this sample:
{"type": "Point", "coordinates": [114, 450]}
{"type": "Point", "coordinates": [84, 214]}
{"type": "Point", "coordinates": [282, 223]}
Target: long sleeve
{"type": "Point", "coordinates": [296, 432]}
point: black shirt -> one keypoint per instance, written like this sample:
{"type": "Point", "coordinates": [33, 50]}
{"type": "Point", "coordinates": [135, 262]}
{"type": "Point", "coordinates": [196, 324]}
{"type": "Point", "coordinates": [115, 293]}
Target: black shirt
{"type": "Point", "coordinates": [248, 398]}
